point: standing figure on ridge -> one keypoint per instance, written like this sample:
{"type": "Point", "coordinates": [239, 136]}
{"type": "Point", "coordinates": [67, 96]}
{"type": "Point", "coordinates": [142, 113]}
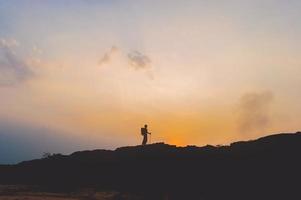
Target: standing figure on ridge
{"type": "Point", "coordinates": [144, 133]}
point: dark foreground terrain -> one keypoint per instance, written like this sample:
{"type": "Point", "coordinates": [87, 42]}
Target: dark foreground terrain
{"type": "Point", "coordinates": [267, 168]}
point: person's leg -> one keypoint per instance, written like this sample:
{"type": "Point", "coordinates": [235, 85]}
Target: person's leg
{"type": "Point", "coordinates": [144, 140]}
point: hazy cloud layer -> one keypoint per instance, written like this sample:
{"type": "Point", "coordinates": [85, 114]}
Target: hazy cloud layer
{"type": "Point", "coordinates": [138, 60]}
{"type": "Point", "coordinates": [254, 111]}
{"type": "Point", "coordinates": [13, 69]}
{"type": "Point", "coordinates": [19, 142]}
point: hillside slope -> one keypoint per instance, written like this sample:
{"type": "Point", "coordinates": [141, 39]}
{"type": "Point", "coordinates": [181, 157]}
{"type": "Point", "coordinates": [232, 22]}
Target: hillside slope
{"type": "Point", "coordinates": [266, 168]}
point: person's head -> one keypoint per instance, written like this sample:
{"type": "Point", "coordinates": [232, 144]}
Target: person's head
{"type": "Point", "coordinates": [145, 126]}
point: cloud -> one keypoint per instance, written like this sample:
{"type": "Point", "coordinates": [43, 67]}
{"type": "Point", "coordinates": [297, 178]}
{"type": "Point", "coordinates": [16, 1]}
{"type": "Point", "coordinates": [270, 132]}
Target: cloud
{"type": "Point", "coordinates": [8, 43]}
{"type": "Point", "coordinates": [138, 60]}
{"type": "Point", "coordinates": [254, 111]}
{"type": "Point", "coordinates": [37, 50]}
{"type": "Point", "coordinates": [133, 59]}
{"type": "Point", "coordinates": [13, 69]}
{"type": "Point", "coordinates": [108, 56]}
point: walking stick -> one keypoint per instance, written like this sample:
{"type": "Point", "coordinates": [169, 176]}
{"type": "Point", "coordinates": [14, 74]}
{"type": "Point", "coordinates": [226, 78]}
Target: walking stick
{"type": "Point", "coordinates": [150, 138]}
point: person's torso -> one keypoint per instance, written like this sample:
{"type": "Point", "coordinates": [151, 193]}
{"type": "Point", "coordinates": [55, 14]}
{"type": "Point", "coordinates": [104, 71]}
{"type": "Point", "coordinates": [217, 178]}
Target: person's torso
{"type": "Point", "coordinates": [143, 131]}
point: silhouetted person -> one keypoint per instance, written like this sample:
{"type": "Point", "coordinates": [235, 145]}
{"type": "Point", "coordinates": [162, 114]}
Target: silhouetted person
{"type": "Point", "coordinates": [144, 133]}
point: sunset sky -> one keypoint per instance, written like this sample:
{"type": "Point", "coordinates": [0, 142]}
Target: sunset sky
{"type": "Point", "coordinates": [86, 74]}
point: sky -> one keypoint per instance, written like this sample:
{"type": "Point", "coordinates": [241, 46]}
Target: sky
{"type": "Point", "coordinates": [87, 74]}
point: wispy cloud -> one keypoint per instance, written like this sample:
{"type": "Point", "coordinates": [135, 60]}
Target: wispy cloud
{"type": "Point", "coordinates": [108, 56]}
{"type": "Point", "coordinates": [254, 111]}
{"type": "Point", "coordinates": [8, 43]}
{"type": "Point", "coordinates": [13, 69]}
{"type": "Point", "coordinates": [133, 59]}
{"type": "Point", "coordinates": [138, 60]}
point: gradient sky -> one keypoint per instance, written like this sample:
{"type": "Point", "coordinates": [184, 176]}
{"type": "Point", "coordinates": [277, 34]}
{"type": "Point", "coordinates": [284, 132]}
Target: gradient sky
{"type": "Point", "coordinates": [85, 74]}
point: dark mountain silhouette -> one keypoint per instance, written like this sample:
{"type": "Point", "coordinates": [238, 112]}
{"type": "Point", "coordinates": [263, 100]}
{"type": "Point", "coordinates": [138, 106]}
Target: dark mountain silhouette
{"type": "Point", "coordinates": [266, 168]}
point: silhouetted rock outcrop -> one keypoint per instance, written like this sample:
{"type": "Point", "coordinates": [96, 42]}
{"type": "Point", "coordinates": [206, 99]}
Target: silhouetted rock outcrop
{"type": "Point", "coordinates": [267, 168]}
